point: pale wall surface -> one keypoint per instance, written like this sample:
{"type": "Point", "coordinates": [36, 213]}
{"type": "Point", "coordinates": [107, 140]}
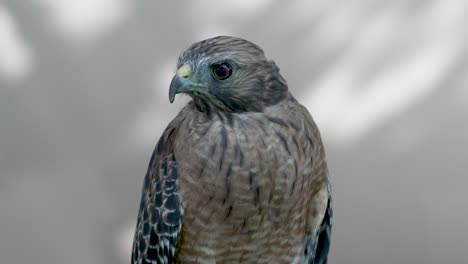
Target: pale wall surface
{"type": "Point", "coordinates": [83, 100]}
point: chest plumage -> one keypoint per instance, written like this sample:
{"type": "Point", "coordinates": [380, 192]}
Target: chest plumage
{"type": "Point", "coordinates": [246, 185]}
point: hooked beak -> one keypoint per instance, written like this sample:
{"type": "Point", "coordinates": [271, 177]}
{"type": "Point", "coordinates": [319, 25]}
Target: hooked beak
{"type": "Point", "coordinates": [178, 85]}
{"type": "Point", "coordinates": [180, 82]}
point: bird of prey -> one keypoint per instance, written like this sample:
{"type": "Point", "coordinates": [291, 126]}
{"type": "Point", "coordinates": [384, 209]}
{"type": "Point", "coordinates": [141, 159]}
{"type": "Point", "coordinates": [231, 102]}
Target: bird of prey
{"type": "Point", "coordinates": [239, 175]}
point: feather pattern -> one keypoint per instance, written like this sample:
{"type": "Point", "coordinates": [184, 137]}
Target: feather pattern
{"type": "Point", "coordinates": [316, 246]}
{"type": "Point", "coordinates": [240, 175]}
{"type": "Point", "coordinates": [160, 216]}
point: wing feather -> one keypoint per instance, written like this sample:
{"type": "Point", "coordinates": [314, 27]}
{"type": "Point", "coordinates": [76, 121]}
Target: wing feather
{"type": "Point", "coordinates": [160, 215]}
{"type": "Point", "coordinates": [317, 245]}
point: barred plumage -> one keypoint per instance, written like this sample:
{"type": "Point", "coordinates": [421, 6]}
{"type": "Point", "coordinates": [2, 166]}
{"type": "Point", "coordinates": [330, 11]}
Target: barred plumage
{"type": "Point", "coordinates": [239, 176]}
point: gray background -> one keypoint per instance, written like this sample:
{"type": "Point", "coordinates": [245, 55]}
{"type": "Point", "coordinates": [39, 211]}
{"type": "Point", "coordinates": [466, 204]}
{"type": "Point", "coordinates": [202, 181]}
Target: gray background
{"type": "Point", "coordinates": [83, 99]}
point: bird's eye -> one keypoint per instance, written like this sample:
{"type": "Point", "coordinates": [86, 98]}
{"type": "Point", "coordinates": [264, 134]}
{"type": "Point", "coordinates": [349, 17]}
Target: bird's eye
{"type": "Point", "coordinates": [222, 71]}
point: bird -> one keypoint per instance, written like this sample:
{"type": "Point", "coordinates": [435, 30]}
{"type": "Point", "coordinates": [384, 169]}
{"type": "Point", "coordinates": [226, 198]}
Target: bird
{"type": "Point", "coordinates": [240, 174]}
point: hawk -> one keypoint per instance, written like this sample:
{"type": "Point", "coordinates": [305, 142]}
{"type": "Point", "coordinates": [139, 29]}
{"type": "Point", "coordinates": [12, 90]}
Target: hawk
{"type": "Point", "coordinates": [239, 175]}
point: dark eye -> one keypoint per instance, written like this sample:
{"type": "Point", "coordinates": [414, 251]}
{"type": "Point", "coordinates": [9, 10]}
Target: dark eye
{"type": "Point", "coordinates": [222, 71]}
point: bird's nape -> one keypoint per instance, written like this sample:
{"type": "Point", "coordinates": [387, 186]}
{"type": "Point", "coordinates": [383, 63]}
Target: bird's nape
{"type": "Point", "coordinates": [224, 74]}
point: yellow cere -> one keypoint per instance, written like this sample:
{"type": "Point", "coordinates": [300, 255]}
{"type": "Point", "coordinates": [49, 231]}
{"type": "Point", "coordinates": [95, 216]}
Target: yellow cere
{"type": "Point", "coordinates": [184, 71]}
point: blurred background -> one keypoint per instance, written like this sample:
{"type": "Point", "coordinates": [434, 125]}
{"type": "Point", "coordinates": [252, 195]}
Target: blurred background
{"type": "Point", "coordinates": [84, 98]}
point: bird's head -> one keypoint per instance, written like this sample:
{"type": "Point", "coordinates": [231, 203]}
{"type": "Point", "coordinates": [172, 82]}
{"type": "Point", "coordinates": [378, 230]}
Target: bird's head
{"type": "Point", "coordinates": [228, 74]}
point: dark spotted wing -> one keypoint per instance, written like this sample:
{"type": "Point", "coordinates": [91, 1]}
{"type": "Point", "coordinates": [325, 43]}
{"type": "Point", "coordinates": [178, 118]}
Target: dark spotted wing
{"type": "Point", "coordinates": [160, 216]}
